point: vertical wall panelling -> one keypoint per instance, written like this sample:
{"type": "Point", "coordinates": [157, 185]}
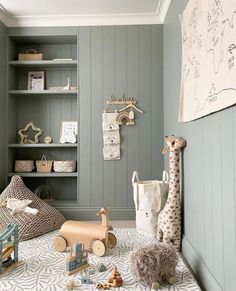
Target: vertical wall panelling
{"type": "Point", "coordinates": [113, 61]}
{"type": "Point", "coordinates": [120, 88]}
{"type": "Point", "coordinates": [3, 50]}
{"type": "Point", "coordinates": [108, 85]}
{"type": "Point", "coordinates": [209, 242]}
{"type": "Point", "coordinates": [85, 116]}
{"type": "Point", "coordinates": [96, 109]}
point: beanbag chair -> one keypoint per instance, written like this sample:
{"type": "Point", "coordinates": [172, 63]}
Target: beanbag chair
{"type": "Point", "coordinates": [47, 219]}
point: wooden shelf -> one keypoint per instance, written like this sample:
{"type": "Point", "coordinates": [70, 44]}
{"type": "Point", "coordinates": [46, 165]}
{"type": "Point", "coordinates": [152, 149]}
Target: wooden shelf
{"type": "Point", "coordinates": [43, 145]}
{"type": "Point", "coordinates": [46, 175]}
{"type": "Point", "coordinates": [44, 63]}
{"type": "Point", "coordinates": [42, 92]}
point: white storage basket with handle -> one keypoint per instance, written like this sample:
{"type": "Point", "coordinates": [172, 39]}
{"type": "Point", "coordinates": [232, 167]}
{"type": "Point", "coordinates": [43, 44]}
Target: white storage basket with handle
{"type": "Point", "coordinates": [149, 198]}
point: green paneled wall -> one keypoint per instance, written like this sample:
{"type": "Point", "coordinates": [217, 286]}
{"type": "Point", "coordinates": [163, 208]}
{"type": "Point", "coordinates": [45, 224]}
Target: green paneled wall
{"type": "Point", "coordinates": [209, 242]}
{"type": "Point", "coordinates": [114, 60]}
{"type": "Point", "coordinates": [3, 53]}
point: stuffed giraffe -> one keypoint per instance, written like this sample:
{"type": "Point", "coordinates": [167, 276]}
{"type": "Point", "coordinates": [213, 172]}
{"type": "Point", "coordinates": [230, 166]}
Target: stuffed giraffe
{"type": "Point", "coordinates": [169, 220]}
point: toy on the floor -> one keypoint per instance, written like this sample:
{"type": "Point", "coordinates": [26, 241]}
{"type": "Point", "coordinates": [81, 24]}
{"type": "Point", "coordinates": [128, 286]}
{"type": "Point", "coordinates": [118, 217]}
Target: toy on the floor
{"type": "Point", "coordinates": [101, 267]}
{"type": "Point", "coordinates": [114, 280]}
{"type": "Point", "coordinates": [8, 247]}
{"type": "Point", "coordinates": [154, 264]}
{"type": "Point", "coordinates": [93, 235]}
{"type": "Point", "coordinates": [85, 279]}
{"type": "Point", "coordinates": [77, 260]}
{"type": "Point", "coordinates": [169, 220]}
{"type": "Point", "coordinates": [70, 285]}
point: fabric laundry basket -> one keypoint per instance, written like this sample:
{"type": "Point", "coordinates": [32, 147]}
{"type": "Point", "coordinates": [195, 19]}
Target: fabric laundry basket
{"type": "Point", "coordinates": [149, 198]}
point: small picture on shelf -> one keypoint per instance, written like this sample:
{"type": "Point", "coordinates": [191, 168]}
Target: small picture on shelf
{"type": "Point", "coordinates": [68, 132]}
{"type": "Point", "coordinates": [36, 80]}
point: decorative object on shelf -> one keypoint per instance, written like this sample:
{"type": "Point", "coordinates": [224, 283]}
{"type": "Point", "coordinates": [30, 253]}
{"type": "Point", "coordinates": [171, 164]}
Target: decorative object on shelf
{"type": "Point", "coordinates": [44, 192]}
{"type": "Point", "coordinates": [169, 220]}
{"type": "Point", "coordinates": [8, 247]}
{"type": "Point", "coordinates": [92, 235]}
{"type": "Point", "coordinates": [30, 55]}
{"type": "Point", "coordinates": [24, 166]}
{"type": "Point", "coordinates": [48, 139]}
{"type": "Point", "coordinates": [68, 132]}
{"type": "Point", "coordinates": [36, 80]}
{"type": "Point", "coordinates": [44, 166]}
{"type": "Point", "coordinates": [65, 88]}
{"type": "Point", "coordinates": [64, 166]}
{"type": "Point", "coordinates": [111, 136]}
{"type": "Point", "coordinates": [24, 135]}
{"type": "Point", "coordinates": [155, 263]}
{"type": "Point", "coordinates": [77, 260]}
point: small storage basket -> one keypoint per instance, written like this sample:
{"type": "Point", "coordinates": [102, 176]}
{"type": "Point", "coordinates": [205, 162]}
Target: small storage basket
{"type": "Point", "coordinates": [64, 166]}
{"type": "Point", "coordinates": [30, 55]}
{"type": "Point", "coordinates": [44, 166]}
{"type": "Point", "coordinates": [24, 166]}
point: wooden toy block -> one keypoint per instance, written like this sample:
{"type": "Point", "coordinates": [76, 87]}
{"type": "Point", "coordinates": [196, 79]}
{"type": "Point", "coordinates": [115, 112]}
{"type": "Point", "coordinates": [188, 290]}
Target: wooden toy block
{"type": "Point", "coordinates": [8, 247]}
{"type": "Point", "coordinates": [77, 260]}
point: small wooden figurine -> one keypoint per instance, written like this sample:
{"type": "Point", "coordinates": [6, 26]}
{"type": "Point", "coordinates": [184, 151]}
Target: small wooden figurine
{"type": "Point", "coordinates": [70, 285]}
{"type": "Point", "coordinates": [115, 279]}
{"type": "Point", "coordinates": [93, 235]}
{"type": "Point", "coordinates": [8, 246]}
{"type": "Point", "coordinates": [77, 260]}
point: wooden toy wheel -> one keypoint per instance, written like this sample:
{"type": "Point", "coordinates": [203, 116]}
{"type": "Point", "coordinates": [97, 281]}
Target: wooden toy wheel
{"type": "Point", "coordinates": [59, 244]}
{"type": "Point", "coordinates": [111, 243]}
{"type": "Point", "coordinates": [99, 248]}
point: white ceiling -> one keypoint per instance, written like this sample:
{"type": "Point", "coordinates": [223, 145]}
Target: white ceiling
{"type": "Point", "coordinates": [82, 12]}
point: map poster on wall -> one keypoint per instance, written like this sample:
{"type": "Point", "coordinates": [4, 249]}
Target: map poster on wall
{"type": "Point", "coordinates": [208, 82]}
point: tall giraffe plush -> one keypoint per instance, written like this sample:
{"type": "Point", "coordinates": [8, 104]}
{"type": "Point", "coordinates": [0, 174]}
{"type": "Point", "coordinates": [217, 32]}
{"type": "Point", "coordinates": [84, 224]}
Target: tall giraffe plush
{"type": "Point", "coordinates": [169, 219]}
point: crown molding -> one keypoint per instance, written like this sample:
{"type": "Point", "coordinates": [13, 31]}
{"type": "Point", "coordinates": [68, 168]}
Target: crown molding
{"type": "Point", "coordinates": [86, 20]}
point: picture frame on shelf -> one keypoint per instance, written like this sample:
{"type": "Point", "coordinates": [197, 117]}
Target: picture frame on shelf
{"type": "Point", "coordinates": [36, 80]}
{"type": "Point", "coordinates": [68, 132]}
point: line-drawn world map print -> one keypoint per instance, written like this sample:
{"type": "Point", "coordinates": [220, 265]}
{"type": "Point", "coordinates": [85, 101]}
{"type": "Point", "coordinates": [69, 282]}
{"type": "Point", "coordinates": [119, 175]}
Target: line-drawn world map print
{"type": "Point", "coordinates": [208, 81]}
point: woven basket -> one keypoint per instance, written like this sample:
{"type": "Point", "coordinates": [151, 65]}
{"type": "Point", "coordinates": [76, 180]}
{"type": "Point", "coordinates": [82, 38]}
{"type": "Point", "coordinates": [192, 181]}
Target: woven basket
{"type": "Point", "coordinates": [64, 166]}
{"type": "Point", "coordinates": [24, 166]}
{"type": "Point", "coordinates": [44, 166]}
{"type": "Point", "coordinates": [27, 56]}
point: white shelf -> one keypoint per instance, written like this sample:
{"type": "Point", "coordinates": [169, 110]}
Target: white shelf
{"type": "Point", "coordinates": [42, 92]}
{"type": "Point", "coordinates": [44, 63]}
{"type": "Point", "coordinates": [46, 175]}
{"type": "Point", "coordinates": [43, 145]}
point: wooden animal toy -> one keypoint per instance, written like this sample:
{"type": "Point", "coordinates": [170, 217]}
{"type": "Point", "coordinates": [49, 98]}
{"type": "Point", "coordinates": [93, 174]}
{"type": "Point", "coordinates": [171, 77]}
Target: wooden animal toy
{"type": "Point", "coordinates": [169, 219]}
{"type": "Point", "coordinates": [8, 247]}
{"type": "Point", "coordinates": [92, 235]}
{"type": "Point", "coordinates": [77, 260]}
{"type": "Point", "coordinates": [115, 279]}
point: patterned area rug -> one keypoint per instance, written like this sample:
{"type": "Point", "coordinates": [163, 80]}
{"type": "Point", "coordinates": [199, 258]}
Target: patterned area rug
{"type": "Point", "coordinates": [42, 269]}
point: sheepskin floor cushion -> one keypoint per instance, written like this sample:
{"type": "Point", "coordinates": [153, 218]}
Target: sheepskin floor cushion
{"type": "Point", "coordinates": [30, 225]}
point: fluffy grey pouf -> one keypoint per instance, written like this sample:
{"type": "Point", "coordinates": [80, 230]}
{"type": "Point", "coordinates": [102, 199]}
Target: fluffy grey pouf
{"type": "Point", "coordinates": [154, 263]}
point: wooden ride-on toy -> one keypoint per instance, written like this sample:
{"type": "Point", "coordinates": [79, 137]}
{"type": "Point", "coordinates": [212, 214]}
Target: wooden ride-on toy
{"type": "Point", "coordinates": [95, 236]}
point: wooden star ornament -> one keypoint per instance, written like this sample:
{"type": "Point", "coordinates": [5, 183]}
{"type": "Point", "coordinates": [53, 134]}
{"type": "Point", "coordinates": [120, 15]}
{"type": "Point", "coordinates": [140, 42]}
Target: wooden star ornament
{"type": "Point", "coordinates": [23, 133]}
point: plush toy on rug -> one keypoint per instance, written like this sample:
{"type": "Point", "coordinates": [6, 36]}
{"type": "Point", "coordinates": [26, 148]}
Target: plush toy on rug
{"type": "Point", "coordinates": [154, 264]}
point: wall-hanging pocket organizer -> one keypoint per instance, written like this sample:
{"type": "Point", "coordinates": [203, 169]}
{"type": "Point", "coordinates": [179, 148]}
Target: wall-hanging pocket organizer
{"type": "Point", "coordinates": [111, 136]}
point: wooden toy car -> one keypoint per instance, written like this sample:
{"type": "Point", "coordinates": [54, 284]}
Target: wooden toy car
{"type": "Point", "coordinates": [95, 236]}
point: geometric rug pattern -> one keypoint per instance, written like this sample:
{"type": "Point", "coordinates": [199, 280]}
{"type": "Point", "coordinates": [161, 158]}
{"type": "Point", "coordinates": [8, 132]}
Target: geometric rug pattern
{"type": "Point", "coordinates": [42, 269]}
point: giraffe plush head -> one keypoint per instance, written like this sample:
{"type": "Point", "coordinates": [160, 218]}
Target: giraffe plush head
{"type": "Point", "coordinates": [173, 143]}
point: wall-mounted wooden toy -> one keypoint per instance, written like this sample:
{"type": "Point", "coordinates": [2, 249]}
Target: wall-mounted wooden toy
{"type": "Point", "coordinates": [8, 247]}
{"type": "Point", "coordinates": [92, 235]}
{"type": "Point", "coordinates": [77, 260]}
